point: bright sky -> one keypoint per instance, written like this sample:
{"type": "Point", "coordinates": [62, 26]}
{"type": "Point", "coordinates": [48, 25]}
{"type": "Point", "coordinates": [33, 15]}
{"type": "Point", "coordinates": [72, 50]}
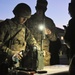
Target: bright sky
{"type": "Point", "coordinates": [56, 9]}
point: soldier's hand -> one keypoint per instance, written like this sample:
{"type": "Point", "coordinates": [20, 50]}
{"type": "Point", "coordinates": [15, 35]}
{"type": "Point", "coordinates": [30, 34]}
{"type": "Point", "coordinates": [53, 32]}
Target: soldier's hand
{"type": "Point", "coordinates": [18, 55]}
{"type": "Point", "coordinates": [47, 31]}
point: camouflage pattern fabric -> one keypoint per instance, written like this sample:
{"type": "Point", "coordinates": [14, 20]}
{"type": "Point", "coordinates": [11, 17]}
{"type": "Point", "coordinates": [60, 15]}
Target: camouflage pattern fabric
{"type": "Point", "coordinates": [7, 29]}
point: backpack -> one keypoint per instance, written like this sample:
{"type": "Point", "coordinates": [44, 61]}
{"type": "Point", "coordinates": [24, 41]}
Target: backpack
{"type": "Point", "coordinates": [30, 57]}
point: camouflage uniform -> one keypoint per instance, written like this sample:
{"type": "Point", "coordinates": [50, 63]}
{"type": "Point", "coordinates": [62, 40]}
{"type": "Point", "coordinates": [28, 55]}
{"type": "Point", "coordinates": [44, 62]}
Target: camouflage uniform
{"type": "Point", "coordinates": [33, 24]}
{"type": "Point", "coordinates": [7, 30]}
{"type": "Point", "coordinates": [14, 36]}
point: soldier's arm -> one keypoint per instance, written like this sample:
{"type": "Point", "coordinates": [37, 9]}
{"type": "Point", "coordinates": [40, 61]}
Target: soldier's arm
{"type": "Point", "coordinates": [50, 35]}
{"type": "Point", "coordinates": [53, 32]}
{"type": "Point", "coordinates": [3, 39]}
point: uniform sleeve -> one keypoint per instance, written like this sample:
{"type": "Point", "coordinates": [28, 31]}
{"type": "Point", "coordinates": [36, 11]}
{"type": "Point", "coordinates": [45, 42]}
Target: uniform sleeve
{"type": "Point", "coordinates": [2, 34]}
{"type": "Point", "coordinates": [3, 40]}
{"type": "Point", "coordinates": [51, 25]}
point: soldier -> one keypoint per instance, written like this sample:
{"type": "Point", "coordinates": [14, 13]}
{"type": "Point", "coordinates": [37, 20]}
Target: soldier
{"type": "Point", "coordinates": [70, 31]}
{"type": "Point", "coordinates": [14, 34]}
{"type": "Point", "coordinates": [35, 21]}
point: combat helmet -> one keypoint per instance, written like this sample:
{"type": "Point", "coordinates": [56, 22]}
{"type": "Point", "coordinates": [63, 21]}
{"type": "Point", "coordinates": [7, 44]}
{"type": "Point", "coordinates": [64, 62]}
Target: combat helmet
{"type": "Point", "coordinates": [42, 4]}
{"type": "Point", "coordinates": [22, 10]}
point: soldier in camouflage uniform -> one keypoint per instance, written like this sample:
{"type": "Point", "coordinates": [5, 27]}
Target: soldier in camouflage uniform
{"type": "Point", "coordinates": [14, 34]}
{"type": "Point", "coordinates": [50, 31]}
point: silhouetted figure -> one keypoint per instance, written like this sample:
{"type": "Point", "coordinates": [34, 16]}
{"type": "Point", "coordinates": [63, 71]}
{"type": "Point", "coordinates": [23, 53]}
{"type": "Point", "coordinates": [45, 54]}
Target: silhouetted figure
{"type": "Point", "coordinates": [54, 49]}
{"type": "Point", "coordinates": [49, 32]}
{"type": "Point", "coordinates": [70, 31]}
